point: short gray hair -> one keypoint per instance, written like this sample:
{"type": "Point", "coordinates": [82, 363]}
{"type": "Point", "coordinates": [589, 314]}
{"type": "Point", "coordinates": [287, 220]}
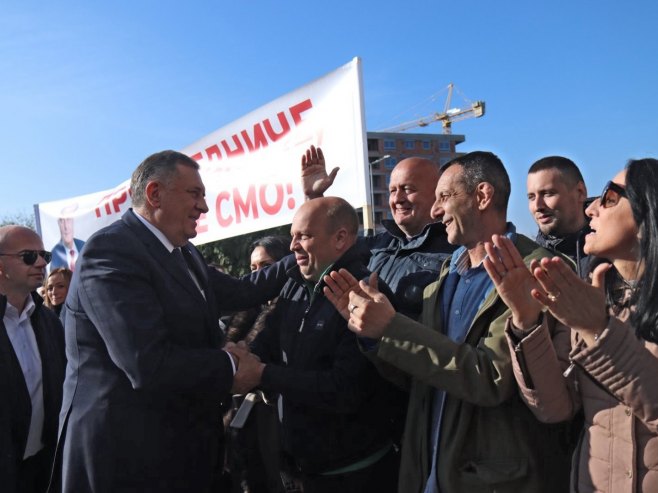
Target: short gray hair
{"type": "Point", "coordinates": [159, 166]}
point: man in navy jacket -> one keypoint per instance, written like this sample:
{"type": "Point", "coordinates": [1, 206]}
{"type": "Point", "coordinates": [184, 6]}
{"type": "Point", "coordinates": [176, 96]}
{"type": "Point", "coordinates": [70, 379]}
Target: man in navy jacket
{"type": "Point", "coordinates": [337, 411]}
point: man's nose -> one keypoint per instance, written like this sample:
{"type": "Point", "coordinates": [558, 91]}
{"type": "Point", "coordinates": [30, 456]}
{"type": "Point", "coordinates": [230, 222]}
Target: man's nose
{"type": "Point", "coordinates": [437, 211]}
{"type": "Point", "coordinates": [202, 205]}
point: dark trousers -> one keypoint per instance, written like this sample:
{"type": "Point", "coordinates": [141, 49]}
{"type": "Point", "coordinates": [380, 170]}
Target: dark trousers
{"type": "Point", "coordinates": [380, 477]}
{"type": "Point", "coordinates": [34, 473]}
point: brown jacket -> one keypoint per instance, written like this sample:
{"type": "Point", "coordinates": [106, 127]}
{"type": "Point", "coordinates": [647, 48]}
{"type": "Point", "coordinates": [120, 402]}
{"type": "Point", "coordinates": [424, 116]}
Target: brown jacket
{"type": "Point", "coordinates": [615, 382]}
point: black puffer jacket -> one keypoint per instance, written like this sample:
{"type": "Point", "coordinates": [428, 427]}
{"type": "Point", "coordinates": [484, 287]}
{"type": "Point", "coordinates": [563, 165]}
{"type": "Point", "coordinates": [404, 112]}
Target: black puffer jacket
{"type": "Point", "coordinates": [570, 245]}
{"type": "Point", "coordinates": [337, 410]}
{"type": "Point", "coordinates": [408, 265]}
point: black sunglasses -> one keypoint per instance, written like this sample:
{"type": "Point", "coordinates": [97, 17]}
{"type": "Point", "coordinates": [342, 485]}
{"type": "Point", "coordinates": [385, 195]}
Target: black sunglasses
{"type": "Point", "coordinates": [30, 256]}
{"type": "Point", "coordinates": [611, 194]}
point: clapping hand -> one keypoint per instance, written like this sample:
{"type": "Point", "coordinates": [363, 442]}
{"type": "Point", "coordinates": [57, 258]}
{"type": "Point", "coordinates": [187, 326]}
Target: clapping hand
{"type": "Point", "coordinates": [513, 281]}
{"type": "Point", "coordinates": [572, 301]}
{"type": "Point", "coordinates": [366, 309]}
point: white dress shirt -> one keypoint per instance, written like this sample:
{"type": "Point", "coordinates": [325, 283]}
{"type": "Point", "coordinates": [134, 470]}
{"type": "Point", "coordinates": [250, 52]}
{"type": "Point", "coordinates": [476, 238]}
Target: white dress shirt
{"type": "Point", "coordinates": [24, 342]}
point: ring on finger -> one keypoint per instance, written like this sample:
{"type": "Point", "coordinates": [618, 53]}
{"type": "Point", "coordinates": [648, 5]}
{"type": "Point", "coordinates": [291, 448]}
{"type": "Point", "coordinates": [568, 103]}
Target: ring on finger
{"type": "Point", "coordinates": [553, 296]}
{"type": "Point", "coordinates": [351, 308]}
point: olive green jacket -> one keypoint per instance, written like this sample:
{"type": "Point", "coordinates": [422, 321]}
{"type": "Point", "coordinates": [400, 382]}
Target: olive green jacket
{"type": "Point", "coordinates": [489, 440]}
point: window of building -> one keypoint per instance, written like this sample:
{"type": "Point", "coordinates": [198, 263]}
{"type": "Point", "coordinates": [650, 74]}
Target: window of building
{"type": "Point", "coordinates": [444, 146]}
{"type": "Point", "coordinates": [389, 144]}
{"type": "Point", "coordinates": [390, 163]}
{"type": "Point", "coordinates": [410, 144]}
{"type": "Point", "coordinates": [427, 145]}
{"type": "Point", "coordinates": [373, 145]}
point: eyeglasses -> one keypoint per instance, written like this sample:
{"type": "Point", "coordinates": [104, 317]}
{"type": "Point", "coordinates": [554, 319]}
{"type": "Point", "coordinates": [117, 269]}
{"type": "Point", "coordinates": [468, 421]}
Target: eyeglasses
{"type": "Point", "coordinates": [611, 194]}
{"type": "Point", "coordinates": [30, 256]}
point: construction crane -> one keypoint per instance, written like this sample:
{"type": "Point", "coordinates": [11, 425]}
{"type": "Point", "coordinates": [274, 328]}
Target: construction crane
{"type": "Point", "coordinates": [447, 117]}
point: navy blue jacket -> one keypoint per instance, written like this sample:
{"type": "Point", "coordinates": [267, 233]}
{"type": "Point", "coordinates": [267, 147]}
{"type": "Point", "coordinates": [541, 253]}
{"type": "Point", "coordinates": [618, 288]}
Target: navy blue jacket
{"type": "Point", "coordinates": [408, 265]}
{"type": "Point", "coordinates": [145, 373]}
{"type": "Point", "coordinates": [337, 410]}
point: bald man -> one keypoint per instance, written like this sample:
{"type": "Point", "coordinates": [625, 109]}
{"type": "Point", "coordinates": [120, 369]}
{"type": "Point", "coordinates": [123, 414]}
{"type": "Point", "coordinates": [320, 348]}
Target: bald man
{"type": "Point", "coordinates": [32, 364]}
{"type": "Point", "coordinates": [337, 410]}
{"type": "Point", "coordinates": [408, 254]}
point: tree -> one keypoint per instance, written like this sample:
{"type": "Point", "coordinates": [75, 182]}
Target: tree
{"type": "Point", "coordinates": [20, 218]}
{"type": "Point", "coordinates": [231, 255]}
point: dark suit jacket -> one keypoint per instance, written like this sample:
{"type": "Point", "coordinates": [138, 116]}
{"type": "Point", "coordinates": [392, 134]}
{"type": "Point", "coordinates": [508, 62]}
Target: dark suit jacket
{"type": "Point", "coordinates": [146, 374]}
{"type": "Point", "coordinates": [59, 254]}
{"type": "Point", "coordinates": [15, 404]}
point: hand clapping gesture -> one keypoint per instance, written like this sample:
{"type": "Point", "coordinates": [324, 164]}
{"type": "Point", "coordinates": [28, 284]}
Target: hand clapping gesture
{"type": "Point", "coordinates": [548, 284]}
{"type": "Point", "coordinates": [365, 308]}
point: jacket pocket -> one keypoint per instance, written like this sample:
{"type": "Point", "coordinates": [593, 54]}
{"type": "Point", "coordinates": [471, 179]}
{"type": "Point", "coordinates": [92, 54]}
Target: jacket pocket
{"type": "Point", "coordinates": [491, 471]}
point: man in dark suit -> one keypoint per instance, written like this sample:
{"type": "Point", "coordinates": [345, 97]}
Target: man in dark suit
{"type": "Point", "coordinates": [147, 371]}
{"type": "Point", "coordinates": [32, 365]}
{"type": "Point", "coordinates": [67, 250]}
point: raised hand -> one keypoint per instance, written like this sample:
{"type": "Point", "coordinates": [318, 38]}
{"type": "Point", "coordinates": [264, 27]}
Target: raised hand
{"type": "Point", "coordinates": [571, 300]}
{"type": "Point", "coordinates": [315, 180]}
{"type": "Point", "coordinates": [513, 281]}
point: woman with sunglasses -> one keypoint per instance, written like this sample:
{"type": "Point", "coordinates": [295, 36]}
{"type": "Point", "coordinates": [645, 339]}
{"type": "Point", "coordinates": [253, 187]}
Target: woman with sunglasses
{"type": "Point", "coordinates": [595, 345]}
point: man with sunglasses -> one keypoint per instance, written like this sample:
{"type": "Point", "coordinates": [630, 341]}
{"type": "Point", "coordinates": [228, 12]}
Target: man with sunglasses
{"type": "Point", "coordinates": [32, 364]}
{"type": "Point", "coordinates": [557, 197]}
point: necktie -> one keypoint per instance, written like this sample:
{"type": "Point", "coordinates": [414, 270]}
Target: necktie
{"type": "Point", "coordinates": [72, 261]}
{"type": "Point", "coordinates": [184, 259]}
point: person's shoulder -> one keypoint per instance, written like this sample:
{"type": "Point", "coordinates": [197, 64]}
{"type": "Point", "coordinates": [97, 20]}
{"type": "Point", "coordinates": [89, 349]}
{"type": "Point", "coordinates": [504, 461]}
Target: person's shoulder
{"type": "Point", "coordinates": [530, 249]}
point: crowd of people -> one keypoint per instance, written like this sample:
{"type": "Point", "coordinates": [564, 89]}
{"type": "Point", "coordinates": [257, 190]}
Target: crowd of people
{"type": "Point", "coordinates": [447, 353]}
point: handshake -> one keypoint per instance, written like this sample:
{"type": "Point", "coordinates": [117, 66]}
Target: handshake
{"type": "Point", "coordinates": [249, 368]}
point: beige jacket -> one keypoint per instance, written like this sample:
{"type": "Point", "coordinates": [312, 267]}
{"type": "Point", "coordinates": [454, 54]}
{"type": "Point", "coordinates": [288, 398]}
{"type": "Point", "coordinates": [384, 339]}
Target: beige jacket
{"type": "Point", "coordinates": [616, 383]}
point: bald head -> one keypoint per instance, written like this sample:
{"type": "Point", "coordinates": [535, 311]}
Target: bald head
{"type": "Point", "coordinates": [411, 189]}
{"type": "Point", "coordinates": [13, 233]}
{"type": "Point", "coordinates": [18, 278]}
{"type": "Point", "coordinates": [323, 229]}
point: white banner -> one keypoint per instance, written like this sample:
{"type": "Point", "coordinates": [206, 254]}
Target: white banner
{"type": "Point", "coordinates": [250, 167]}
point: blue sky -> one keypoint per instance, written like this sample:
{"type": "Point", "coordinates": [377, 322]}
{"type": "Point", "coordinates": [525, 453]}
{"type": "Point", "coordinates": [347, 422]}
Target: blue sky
{"type": "Point", "coordinates": [88, 89]}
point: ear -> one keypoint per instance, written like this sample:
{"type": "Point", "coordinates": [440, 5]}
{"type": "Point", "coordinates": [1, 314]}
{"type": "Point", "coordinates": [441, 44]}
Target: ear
{"type": "Point", "coordinates": [340, 238]}
{"type": "Point", "coordinates": [582, 191]}
{"type": "Point", "coordinates": [153, 192]}
{"type": "Point", "coordinates": [484, 194]}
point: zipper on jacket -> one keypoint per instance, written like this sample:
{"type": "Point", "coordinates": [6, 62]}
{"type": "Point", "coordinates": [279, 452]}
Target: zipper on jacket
{"type": "Point", "coordinates": [573, 365]}
{"type": "Point", "coordinates": [520, 358]}
{"type": "Point", "coordinates": [301, 326]}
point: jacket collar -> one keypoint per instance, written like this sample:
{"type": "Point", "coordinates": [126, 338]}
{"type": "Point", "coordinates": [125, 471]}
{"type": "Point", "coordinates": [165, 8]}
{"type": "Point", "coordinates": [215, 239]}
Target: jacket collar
{"type": "Point", "coordinates": [415, 241]}
{"type": "Point", "coordinates": [570, 245]}
{"type": "Point", "coordinates": [351, 255]}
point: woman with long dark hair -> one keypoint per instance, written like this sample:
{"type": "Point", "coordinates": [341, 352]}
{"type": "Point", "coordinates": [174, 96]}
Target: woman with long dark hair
{"type": "Point", "coordinates": [597, 347]}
